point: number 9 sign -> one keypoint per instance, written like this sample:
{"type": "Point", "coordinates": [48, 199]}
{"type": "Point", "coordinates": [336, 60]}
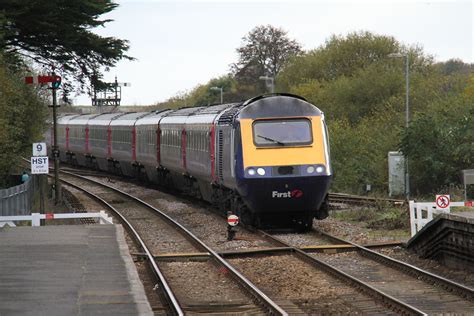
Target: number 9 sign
{"type": "Point", "coordinates": [39, 149]}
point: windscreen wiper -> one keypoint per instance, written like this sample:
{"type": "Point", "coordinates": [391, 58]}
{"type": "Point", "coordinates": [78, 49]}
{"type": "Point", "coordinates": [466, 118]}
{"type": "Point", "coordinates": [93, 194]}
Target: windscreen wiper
{"type": "Point", "coordinates": [272, 140]}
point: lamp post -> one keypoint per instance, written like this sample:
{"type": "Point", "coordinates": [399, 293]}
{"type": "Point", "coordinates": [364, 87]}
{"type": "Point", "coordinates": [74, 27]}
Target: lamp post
{"type": "Point", "coordinates": [407, 114]}
{"type": "Point", "coordinates": [218, 89]}
{"type": "Point", "coordinates": [272, 82]}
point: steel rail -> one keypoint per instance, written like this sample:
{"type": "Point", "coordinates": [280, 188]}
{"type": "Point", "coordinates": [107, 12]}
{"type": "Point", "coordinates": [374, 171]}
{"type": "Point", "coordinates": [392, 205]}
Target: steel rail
{"type": "Point", "coordinates": [412, 270]}
{"type": "Point", "coordinates": [361, 199]}
{"type": "Point", "coordinates": [170, 297]}
{"type": "Point", "coordinates": [260, 297]}
{"type": "Point", "coordinates": [401, 307]}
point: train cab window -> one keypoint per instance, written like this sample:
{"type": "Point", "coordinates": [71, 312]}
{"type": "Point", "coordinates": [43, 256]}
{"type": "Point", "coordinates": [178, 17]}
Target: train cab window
{"type": "Point", "coordinates": [282, 132]}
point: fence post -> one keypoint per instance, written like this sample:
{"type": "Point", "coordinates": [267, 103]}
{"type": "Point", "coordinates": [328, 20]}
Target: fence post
{"type": "Point", "coordinates": [412, 218]}
{"type": "Point", "coordinates": [35, 219]}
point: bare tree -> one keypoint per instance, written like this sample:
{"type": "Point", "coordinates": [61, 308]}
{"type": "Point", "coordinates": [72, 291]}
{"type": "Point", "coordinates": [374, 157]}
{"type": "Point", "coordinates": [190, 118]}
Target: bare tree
{"type": "Point", "coordinates": [264, 52]}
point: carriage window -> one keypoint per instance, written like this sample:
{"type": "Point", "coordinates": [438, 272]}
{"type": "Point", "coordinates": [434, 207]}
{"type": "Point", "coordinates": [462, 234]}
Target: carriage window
{"type": "Point", "coordinates": [288, 132]}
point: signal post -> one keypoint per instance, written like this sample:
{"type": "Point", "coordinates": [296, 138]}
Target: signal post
{"type": "Point", "coordinates": [55, 84]}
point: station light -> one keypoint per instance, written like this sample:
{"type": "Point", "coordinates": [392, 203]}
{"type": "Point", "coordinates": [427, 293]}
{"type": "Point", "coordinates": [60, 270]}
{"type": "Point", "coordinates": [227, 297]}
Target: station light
{"type": "Point", "coordinates": [56, 83]}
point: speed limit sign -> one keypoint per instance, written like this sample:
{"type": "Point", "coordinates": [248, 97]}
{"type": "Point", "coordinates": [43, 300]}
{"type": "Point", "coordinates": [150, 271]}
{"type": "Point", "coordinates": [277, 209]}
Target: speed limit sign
{"type": "Point", "coordinates": [39, 149]}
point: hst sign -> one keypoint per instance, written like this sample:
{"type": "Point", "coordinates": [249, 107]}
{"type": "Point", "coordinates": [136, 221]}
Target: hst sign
{"type": "Point", "coordinates": [287, 195]}
{"type": "Point", "coordinates": [39, 165]}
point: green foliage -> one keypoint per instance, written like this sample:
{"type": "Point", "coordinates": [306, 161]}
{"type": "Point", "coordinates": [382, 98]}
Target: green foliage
{"type": "Point", "coordinates": [362, 92]}
{"type": "Point", "coordinates": [339, 56]}
{"type": "Point", "coordinates": [22, 119]}
{"type": "Point", "coordinates": [440, 143]}
{"type": "Point", "coordinates": [357, 96]}
{"type": "Point", "coordinates": [359, 152]}
{"type": "Point", "coordinates": [56, 33]}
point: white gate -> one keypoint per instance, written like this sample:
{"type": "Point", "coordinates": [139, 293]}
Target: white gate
{"type": "Point", "coordinates": [422, 212]}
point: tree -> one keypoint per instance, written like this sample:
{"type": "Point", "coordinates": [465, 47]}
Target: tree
{"type": "Point", "coordinates": [57, 34]}
{"type": "Point", "coordinates": [339, 56]}
{"type": "Point", "coordinates": [454, 66]}
{"type": "Point", "coordinates": [22, 119]}
{"type": "Point", "coordinates": [265, 51]}
{"type": "Point", "coordinates": [439, 144]}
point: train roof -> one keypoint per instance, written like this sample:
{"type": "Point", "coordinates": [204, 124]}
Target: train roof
{"type": "Point", "coordinates": [129, 118]}
{"type": "Point", "coordinates": [185, 111]}
{"type": "Point", "coordinates": [66, 118]}
{"type": "Point", "coordinates": [82, 119]}
{"type": "Point", "coordinates": [277, 105]}
{"type": "Point", "coordinates": [153, 118]}
{"type": "Point", "coordinates": [104, 119]}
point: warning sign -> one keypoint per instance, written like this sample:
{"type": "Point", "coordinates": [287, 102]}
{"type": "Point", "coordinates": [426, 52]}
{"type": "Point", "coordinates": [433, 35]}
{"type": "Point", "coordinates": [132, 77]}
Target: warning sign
{"type": "Point", "coordinates": [232, 220]}
{"type": "Point", "coordinates": [442, 202]}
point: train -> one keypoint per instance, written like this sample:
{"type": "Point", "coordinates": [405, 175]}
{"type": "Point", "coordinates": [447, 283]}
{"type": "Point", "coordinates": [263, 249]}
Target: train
{"type": "Point", "coordinates": [266, 159]}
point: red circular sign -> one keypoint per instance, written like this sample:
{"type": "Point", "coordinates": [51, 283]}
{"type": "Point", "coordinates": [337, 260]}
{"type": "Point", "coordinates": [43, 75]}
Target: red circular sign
{"type": "Point", "coordinates": [232, 220]}
{"type": "Point", "coordinates": [442, 201]}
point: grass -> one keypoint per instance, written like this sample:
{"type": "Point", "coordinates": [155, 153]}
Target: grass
{"type": "Point", "coordinates": [379, 220]}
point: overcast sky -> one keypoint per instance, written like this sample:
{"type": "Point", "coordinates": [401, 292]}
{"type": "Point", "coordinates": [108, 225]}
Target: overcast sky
{"type": "Point", "coordinates": [180, 44]}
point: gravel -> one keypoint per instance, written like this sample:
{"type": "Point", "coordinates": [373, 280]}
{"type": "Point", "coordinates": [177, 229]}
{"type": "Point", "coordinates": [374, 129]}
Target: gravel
{"type": "Point", "coordinates": [281, 277]}
{"type": "Point", "coordinates": [314, 292]}
{"type": "Point", "coordinates": [433, 266]}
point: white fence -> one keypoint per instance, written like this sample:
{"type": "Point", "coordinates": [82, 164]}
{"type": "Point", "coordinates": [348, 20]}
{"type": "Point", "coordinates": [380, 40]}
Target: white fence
{"type": "Point", "coordinates": [422, 212]}
{"type": "Point", "coordinates": [35, 218]}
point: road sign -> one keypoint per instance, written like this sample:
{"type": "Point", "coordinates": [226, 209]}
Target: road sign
{"type": "Point", "coordinates": [233, 220]}
{"type": "Point", "coordinates": [42, 79]}
{"type": "Point", "coordinates": [442, 202]}
{"type": "Point", "coordinates": [39, 165]}
{"type": "Point", "coordinates": [39, 149]}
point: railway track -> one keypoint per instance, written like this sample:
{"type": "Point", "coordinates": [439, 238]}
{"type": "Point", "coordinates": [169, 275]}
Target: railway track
{"type": "Point", "coordinates": [426, 292]}
{"type": "Point", "coordinates": [400, 294]}
{"type": "Point", "coordinates": [212, 272]}
{"type": "Point", "coordinates": [164, 257]}
{"type": "Point", "coordinates": [369, 301]}
{"type": "Point", "coordinates": [362, 200]}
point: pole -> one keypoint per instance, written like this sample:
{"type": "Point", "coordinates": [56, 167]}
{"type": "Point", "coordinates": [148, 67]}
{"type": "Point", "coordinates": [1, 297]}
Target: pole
{"type": "Point", "coordinates": [41, 189]}
{"type": "Point", "coordinates": [57, 197]}
{"type": "Point", "coordinates": [222, 97]}
{"type": "Point", "coordinates": [407, 110]}
{"type": "Point", "coordinates": [116, 95]}
{"type": "Point", "coordinates": [272, 81]}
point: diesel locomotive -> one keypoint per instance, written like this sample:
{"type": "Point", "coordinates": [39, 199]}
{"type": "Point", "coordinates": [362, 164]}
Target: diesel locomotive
{"type": "Point", "coordinates": [266, 159]}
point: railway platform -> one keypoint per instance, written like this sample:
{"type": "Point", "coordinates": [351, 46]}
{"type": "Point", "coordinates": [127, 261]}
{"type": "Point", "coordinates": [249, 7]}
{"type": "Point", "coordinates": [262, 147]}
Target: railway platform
{"type": "Point", "coordinates": [68, 270]}
{"type": "Point", "coordinates": [448, 238]}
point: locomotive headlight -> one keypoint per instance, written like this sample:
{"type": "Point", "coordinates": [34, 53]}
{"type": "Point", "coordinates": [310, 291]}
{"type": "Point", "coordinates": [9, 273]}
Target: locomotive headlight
{"type": "Point", "coordinates": [319, 169]}
{"type": "Point", "coordinates": [251, 171]}
{"type": "Point", "coordinates": [310, 169]}
{"type": "Point", "coordinates": [261, 171]}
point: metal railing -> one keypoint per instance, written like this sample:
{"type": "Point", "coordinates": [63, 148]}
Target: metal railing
{"type": "Point", "coordinates": [35, 218]}
{"type": "Point", "coordinates": [18, 200]}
